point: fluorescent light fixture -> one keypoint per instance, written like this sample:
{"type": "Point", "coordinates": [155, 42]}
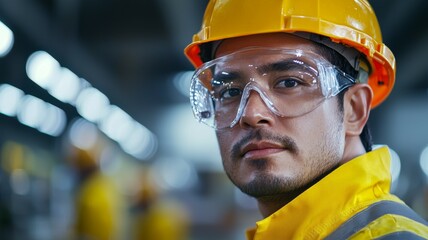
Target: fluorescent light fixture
{"type": "Point", "coordinates": [117, 124]}
{"type": "Point", "coordinates": [395, 165]}
{"type": "Point", "coordinates": [10, 97]}
{"type": "Point", "coordinates": [42, 69]}
{"type": "Point", "coordinates": [54, 121]}
{"type": "Point", "coordinates": [423, 161]}
{"type": "Point", "coordinates": [181, 81]}
{"type": "Point", "coordinates": [92, 104]}
{"type": "Point", "coordinates": [133, 137]}
{"type": "Point", "coordinates": [43, 116]}
{"type": "Point", "coordinates": [6, 39]}
{"type": "Point", "coordinates": [32, 111]}
{"type": "Point", "coordinates": [83, 134]}
{"type": "Point", "coordinates": [141, 143]}
{"type": "Point", "coordinates": [66, 86]}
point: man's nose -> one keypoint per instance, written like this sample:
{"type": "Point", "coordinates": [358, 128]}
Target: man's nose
{"type": "Point", "coordinates": [255, 113]}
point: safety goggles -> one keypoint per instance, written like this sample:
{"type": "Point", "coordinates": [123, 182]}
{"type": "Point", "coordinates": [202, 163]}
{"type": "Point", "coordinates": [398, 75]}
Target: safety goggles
{"type": "Point", "coordinates": [291, 83]}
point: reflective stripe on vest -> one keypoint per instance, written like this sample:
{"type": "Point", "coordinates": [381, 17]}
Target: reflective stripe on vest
{"type": "Point", "coordinates": [374, 211]}
{"type": "Point", "coordinates": [401, 236]}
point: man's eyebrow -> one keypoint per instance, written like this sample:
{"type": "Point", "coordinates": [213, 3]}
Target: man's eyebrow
{"type": "Point", "coordinates": [281, 65]}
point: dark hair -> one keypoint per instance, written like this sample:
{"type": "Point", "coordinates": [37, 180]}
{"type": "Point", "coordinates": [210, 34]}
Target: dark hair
{"type": "Point", "coordinates": [206, 53]}
{"type": "Point", "coordinates": [338, 60]}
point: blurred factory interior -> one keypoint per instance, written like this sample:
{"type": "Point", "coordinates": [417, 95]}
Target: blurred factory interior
{"type": "Point", "coordinates": [120, 93]}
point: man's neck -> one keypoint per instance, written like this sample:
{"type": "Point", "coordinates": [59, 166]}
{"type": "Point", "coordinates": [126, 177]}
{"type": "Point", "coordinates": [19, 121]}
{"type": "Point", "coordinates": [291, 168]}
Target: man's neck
{"type": "Point", "coordinates": [353, 148]}
{"type": "Point", "coordinates": [270, 204]}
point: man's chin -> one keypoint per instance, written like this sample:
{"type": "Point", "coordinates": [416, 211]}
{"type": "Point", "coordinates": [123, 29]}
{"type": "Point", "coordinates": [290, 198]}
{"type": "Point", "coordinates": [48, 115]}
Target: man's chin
{"type": "Point", "coordinates": [268, 186]}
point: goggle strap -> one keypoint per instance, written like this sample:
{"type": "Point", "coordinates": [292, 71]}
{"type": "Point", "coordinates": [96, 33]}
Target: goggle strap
{"type": "Point", "coordinates": [344, 81]}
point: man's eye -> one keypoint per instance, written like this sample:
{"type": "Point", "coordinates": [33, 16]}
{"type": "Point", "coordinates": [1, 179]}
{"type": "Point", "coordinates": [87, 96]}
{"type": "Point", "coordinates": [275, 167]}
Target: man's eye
{"type": "Point", "coordinates": [230, 93]}
{"type": "Point", "coordinates": [288, 83]}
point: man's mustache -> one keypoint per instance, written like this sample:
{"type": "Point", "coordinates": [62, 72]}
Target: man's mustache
{"type": "Point", "coordinates": [261, 134]}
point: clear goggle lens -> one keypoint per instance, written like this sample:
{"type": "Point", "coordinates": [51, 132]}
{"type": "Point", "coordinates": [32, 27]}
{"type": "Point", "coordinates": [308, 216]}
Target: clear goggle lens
{"type": "Point", "coordinates": [291, 83]}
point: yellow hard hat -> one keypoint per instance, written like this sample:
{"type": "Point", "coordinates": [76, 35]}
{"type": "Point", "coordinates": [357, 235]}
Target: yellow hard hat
{"type": "Point", "coordinates": [349, 22]}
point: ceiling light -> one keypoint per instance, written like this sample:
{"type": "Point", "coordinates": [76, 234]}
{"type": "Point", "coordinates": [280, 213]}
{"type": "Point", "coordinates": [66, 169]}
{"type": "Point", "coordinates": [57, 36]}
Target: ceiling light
{"type": "Point", "coordinates": [42, 68]}
{"type": "Point", "coordinates": [6, 39]}
{"type": "Point", "coordinates": [10, 97]}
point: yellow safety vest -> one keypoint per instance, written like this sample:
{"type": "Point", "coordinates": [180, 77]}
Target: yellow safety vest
{"type": "Point", "coordinates": [352, 202]}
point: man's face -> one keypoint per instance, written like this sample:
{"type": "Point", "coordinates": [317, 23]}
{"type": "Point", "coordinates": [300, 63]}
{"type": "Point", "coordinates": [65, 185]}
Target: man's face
{"type": "Point", "coordinates": [266, 155]}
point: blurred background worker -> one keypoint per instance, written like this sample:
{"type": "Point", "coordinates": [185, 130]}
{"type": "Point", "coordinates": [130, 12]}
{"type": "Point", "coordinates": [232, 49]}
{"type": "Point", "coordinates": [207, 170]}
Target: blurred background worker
{"type": "Point", "coordinates": [98, 203]}
{"type": "Point", "coordinates": [155, 216]}
{"type": "Point", "coordinates": [288, 87]}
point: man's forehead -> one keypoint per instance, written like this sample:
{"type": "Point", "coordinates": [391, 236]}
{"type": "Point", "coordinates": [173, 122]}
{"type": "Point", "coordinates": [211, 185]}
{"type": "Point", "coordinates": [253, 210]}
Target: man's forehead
{"type": "Point", "coordinates": [274, 40]}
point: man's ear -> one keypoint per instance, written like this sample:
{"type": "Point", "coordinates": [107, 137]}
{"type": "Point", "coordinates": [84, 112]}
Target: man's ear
{"type": "Point", "coordinates": [357, 103]}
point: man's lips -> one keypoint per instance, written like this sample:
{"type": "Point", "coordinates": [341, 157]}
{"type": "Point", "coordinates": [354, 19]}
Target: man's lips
{"type": "Point", "coordinates": [260, 149]}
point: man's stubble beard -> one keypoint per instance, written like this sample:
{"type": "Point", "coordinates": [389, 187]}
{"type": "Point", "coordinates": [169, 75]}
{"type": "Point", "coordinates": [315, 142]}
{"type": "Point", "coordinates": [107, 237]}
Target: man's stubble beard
{"type": "Point", "coordinates": [265, 185]}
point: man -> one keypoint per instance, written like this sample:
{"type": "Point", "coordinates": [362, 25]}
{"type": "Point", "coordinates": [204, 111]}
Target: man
{"type": "Point", "coordinates": [98, 202]}
{"type": "Point", "coordinates": [288, 86]}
